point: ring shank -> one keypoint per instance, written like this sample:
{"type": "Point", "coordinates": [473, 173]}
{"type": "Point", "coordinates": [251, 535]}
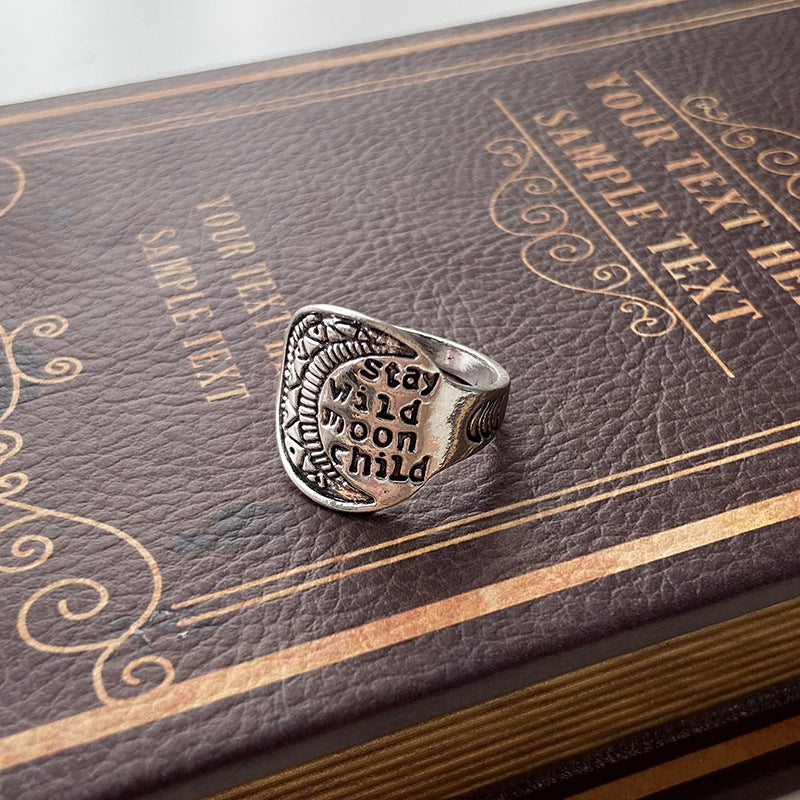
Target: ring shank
{"type": "Point", "coordinates": [462, 363]}
{"type": "Point", "coordinates": [478, 405]}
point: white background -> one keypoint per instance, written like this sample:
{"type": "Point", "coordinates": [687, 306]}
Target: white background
{"type": "Point", "coordinates": [53, 47]}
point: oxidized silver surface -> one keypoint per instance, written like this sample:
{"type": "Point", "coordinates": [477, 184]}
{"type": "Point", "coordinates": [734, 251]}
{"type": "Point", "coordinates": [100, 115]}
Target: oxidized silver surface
{"type": "Point", "coordinates": [368, 412]}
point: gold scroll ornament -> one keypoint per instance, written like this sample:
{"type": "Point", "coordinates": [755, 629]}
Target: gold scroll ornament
{"type": "Point", "coordinates": [549, 247]}
{"type": "Point", "coordinates": [30, 546]}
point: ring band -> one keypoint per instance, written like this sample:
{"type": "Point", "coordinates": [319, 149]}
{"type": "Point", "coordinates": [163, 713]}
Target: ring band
{"type": "Point", "coordinates": [368, 412]}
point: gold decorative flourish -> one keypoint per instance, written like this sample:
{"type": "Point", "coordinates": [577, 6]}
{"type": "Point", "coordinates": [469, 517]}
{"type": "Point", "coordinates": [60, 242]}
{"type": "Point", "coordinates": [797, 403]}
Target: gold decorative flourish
{"type": "Point", "coordinates": [31, 546]}
{"type": "Point", "coordinates": [31, 550]}
{"type": "Point", "coordinates": [783, 160]}
{"type": "Point", "coordinates": [543, 224]}
{"type": "Point", "coordinates": [62, 594]}
{"type": "Point", "coordinates": [57, 370]}
{"type": "Point", "coordinates": [19, 188]}
{"type": "Point", "coordinates": [12, 482]}
{"type": "Point", "coordinates": [129, 672]}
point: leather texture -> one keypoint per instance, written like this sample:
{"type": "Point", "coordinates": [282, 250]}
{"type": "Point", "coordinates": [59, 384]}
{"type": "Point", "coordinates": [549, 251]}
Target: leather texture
{"type": "Point", "coordinates": [155, 240]}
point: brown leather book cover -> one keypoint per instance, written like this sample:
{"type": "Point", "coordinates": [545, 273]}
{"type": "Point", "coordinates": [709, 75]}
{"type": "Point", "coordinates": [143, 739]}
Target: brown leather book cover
{"type": "Point", "coordinates": [606, 200]}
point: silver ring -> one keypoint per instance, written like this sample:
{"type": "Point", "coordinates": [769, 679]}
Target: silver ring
{"type": "Point", "coordinates": [368, 412]}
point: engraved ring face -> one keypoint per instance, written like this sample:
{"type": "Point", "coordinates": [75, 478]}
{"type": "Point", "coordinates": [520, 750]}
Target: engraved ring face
{"type": "Point", "coordinates": [368, 412]}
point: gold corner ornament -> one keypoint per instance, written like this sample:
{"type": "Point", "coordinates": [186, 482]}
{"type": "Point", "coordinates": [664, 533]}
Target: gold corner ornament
{"type": "Point", "coordinates": [368, 412]}
{"type": "Point", "coordinates": [50, 618]}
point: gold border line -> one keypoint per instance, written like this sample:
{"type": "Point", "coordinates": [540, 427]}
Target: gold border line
{"type": "Point", "coordinates": [287, 102]}
{"type": "Point", "coordinates": [317, 65]}
{"type": "Point", "coordinates": [529, 139]}
{"type": "Point", "coordinates": [325, 562]}
{"type": "Point", "coordinates": [347, 573]}
{"type": "Point", "coordinates": [713, 145]}
{"type": "Point", "coordinates": [194, 693]}
{"type": "Point", "coordinates": [495, 512]}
